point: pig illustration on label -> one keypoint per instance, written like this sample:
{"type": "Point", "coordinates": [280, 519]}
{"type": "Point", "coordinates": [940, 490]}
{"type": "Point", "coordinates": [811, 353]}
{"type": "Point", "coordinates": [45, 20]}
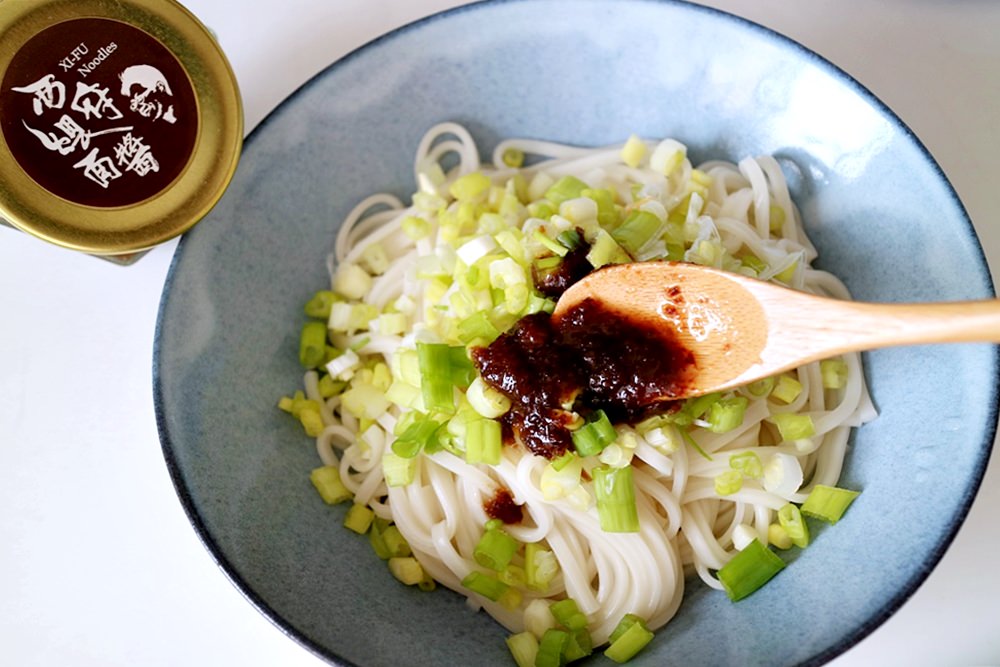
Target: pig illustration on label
{"type": "Point", "coordinates": [149, 93]}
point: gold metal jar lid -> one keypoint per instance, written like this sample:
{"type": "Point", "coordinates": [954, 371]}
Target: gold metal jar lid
{"type": "Point", "coordinates": [120, 122]}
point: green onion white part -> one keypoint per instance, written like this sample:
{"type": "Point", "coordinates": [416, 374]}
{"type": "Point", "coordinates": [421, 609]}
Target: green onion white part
{"type": "Point", "coordinates": [405, 428]}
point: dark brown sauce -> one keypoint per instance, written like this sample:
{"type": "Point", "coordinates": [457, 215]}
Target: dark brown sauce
{"type": "Point", "coordinates": [572, 268]}
{"type": "Point", "coordinates": [502, 506]}
{"type": "Point", "coordinates": [592, 358]}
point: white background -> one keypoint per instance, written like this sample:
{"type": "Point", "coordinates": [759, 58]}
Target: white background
{"type": "Point", "coordinates": [98, 564]}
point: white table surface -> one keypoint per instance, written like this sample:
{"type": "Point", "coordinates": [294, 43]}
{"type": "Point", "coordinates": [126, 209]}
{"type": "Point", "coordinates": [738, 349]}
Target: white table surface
{"type": "Point", "coordinates": [98, 564]}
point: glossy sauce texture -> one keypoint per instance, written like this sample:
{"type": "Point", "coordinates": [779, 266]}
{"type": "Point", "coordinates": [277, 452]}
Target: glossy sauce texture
{"type": "Point", "coordinates": [590, 358]}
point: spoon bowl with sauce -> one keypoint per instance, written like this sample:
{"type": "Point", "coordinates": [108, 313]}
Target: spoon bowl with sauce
{"type": "Point", "coordinates": [736, 329]}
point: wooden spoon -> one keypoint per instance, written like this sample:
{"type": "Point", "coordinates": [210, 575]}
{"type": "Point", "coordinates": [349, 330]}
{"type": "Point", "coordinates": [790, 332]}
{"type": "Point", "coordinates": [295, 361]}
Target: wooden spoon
{"type": "Point", "coordinates": [741, 329]}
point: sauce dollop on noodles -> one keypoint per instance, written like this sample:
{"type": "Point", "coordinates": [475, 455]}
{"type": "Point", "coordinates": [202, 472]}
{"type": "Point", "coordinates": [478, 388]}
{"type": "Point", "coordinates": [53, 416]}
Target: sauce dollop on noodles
{"type": "Point", "coordinates": [591, 358]}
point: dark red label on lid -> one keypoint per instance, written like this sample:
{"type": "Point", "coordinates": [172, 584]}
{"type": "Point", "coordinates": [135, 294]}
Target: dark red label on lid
{"type": "Point", "coordinates": [98, 112]}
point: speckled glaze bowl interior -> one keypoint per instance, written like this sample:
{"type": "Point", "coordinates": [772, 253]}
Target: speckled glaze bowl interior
{"type": "Point", "coordinates": [588, 72]}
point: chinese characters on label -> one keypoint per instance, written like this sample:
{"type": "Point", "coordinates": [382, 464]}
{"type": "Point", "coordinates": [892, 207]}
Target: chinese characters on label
{"type": "Point", "coordinates": [100, 153]}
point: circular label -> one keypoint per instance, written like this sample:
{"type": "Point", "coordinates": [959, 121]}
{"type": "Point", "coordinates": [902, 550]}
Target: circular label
{"type": "Point", "coordinates": [98, 112]}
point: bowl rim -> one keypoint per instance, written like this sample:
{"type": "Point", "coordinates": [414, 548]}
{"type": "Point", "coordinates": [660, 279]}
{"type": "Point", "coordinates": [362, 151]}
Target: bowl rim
{"type": "Point", "coordinates": [888, 606]}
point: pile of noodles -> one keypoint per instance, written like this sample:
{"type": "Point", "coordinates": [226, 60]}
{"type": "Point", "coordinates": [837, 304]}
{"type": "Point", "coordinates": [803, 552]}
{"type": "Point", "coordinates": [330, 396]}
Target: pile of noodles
{"type": "Point", "coordinates": [686, 526]}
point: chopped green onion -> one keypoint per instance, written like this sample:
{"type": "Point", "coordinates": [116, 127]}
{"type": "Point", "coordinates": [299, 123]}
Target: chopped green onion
{"type": "Point", "coordinates": [828, 503]}
{"type": "Point", "coordinates": [406, 570]}
{"type": "Point", "coordinates": [834, 373]}
{"type": "Point", "coordinates": [776, 218]}
{"type": "Point", "coordinates": [747, 463]}
{"type": "Point", "coordinates": [489, 587]}
{"type": "Point", "coordinates": [541, 209]}
{"type": "Point", "coordinates": [615, 492]}
{"type": "Point", "coordinates": [790, 518]}
{"type": "Point", "coordinates": [462, 370]}
{"type": "Point", "coordinates": [628, 620]}
{"type": "Point", "coordinates": [327, 481]}
{"type": "Point", "coordinates": [754, 263]}
{"type": "Point", "coordinates": [580, 211]}
{"type": "Point", "coordinates": [782, 474]}
{"type": "Point", "coordinates": [748, 570]}
{"type": "Point", "coordinates": [352, 281]}
{"type": "Point", "coordinates": [312, 344]}
{"type": "Point", "coordinates": [470, 186]}
{"type": "Point", "coordinates": [633, 151]}
{"type": "Point", "coordinates": [359, 518]}
{"type": "Point", "coordinates": [761, 387]}
{"type": "Point", "coordinates": [395, 543]}
{"type": "Point", "coordinates": [540, 566]}
{"type": "Point", "coordinates": [551, 647]}
{"type": "Point", "coordinates": [513, 157]}
{"type": "Point", "coordinates": [417, 435]}
{"type": "Point", "coordinates": [398, 471]}
{"type": "Point", "coordinates": [778, 536]}
{"type": "Point", "coordinates": [374, 259]}
{"type": "Point", "coordinates": [524, 647]}
{"type": "Point", "coordinates": [391, 324]}
{"type": "Point", "coordinates": [667, 156]}
{"type": "Point", "coordinates": [375, 538]}
{"type": "Point", "coordinates": [320, 303]}
{"type": "Point", "coordinates": [553, 246]}
{"type": "Point", "coordinates": [727, 413]}
{"type": "Point", "coordinates": [567, 187]}
{"type": "Point", "coordinates": [793, 426]}
{"type": "Point", "coordinates": [435, 376]}
{"type": "Point", "coordinates": [485, 400]}
{"type": "Point", "coordinates": [495, 549]}
{"type": "Point", "coordinates": [477, 327]}
{"type": "Point", "coordinates": [568, 613]}
{"type": "Point", "coordinates": [728, 482]}
{"type": "Point", "coordinates": [570, 239]}
{"type": "Point", "coordinates": [594, 435]}
{"type": "Point", "coordinates": [579, 645]}
{"type": "Point", "coordinates": [416, 228]}
{"type": "Point", "coordinates": [328, 387]}
{"type": "Point", "coordinates": [483, 441]}
{"type": "Point", "coordinates": [628, 643]}
{"type": "Point", "coordinates": [364, 400]}
{"type": "Point", "coordinates": [309, 417]}
{"type": "Point", "coordinates": [605, 250]}
{"type": "Point", "coordinates": [637, 230]}
{"type": "Point", "coordinates": [698, 406]}
{"type": "Point", "coordinates": [513, 575]}
{"type": "Point", "coordinates": [787, 388]}
{"type": "Point", "coordinates": [563, 461]}
{"type": "Point", "coordinates": [608, 213]}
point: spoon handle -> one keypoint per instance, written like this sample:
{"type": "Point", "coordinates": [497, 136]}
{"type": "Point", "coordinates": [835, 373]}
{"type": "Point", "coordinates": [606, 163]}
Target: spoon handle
{"type": "Point", "coordinates": [827, 326]}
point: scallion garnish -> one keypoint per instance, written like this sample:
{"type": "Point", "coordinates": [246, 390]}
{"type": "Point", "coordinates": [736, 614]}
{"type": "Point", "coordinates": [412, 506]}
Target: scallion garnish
{"type": "Point", "coordinates": [524, 647]}
{"type": "Point", "coordinates": [436, 377]}
{"type": "Point", "coordinates": [748, 570]}
{"type": "Point", "coordinates": [327, 481]}
{"type": "Point", "coordinates": [790, 518]}
{"type": "Point", "coordinates": [551, 647]}
{"type": "Point", "coordinates": [489, 587]}
{"type": "Point", "coordinates": [727, 413]}
{"type": "Point", "coordinates": [312, 344]}
{"type": "Point", "coordinates": [629, 637]}
{"type": "Point", "coordinates": [596, 433]}
{"type": "Point", "coordinates": [568, 613]}
{"type": "Point", "coordinates": [483, 441]}
{"type": "Point", "coordinates": [615, 492]}
{"type": "Point", "coordinates": [637, 230]}
{"type": "Point", "coordinates": [828, 503]}
{"type": "Point", "coordinates": [495, 549]}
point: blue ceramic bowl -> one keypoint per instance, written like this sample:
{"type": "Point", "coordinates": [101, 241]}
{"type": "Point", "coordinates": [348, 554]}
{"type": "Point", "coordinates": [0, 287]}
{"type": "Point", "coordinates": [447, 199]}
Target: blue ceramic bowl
{"type": "Point", "coordinates": [591, 72]}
